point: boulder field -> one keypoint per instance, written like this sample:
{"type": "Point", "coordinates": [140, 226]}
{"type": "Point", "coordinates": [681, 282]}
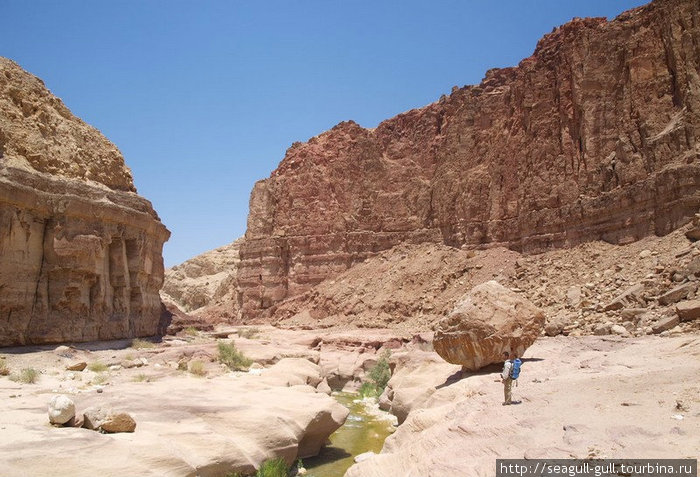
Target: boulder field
{"type": "Point", "coordinates": [593, 288]}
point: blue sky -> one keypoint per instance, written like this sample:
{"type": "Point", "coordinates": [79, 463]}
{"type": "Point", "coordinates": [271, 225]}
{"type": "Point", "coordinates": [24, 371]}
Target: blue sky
{"type": "Point", "coordinates": [204, 97]}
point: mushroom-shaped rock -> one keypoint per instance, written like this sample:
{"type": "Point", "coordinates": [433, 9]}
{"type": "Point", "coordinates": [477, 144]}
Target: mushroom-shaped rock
{"type": "Point", "coordinates": [484, 323]}
{"type": "Point", "coordinates": [61, 410]}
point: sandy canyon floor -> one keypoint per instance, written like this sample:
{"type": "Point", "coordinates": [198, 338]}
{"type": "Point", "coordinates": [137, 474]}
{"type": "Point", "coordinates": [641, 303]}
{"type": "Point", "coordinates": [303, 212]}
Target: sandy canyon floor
{"type": "Point", "coordinates": [591, 396]}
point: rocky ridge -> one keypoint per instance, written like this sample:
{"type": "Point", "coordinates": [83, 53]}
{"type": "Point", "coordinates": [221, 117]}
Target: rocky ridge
{"type": "Point", "coordinates": [38, 131]}
{"type": "Point", "coordinates": [205, 284]}
{"type": "Point", "coordinates": [81, 251]}
{"type": "Point", "coordinates": [593, 137]}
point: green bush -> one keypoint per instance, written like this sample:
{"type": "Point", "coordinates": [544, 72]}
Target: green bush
{"type": "Point", "coordinates": [273, 468]}
{"type": "Point", "coordinates": [231, 357]}
{"type": "Point", "coordinates": [378, 377]}
{"type": "Point", "coordinates": [26, 376]}
{"type": "Point", "coordinates": [368, 389]}
{"type": "Point", "coordinates": [269, 468]}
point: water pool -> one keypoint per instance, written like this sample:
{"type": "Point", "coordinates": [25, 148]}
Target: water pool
{"type": "Point", "coordinates": [363, 431]}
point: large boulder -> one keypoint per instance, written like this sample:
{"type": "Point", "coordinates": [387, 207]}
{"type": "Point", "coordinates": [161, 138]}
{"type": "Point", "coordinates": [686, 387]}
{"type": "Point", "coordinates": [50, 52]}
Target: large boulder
{"type": "Point", "coordinates": [487, 321]}
{"type": "Point", "coordinates": [632, 296]}
{"type": "Point", "coordinates": [293, 372]}
{"type": "Point", "coordinates": [688, 310]}
{"type": "Point", "coordinates": [107, 420]}
{"type": "Point", "coordinates": [61, 410]}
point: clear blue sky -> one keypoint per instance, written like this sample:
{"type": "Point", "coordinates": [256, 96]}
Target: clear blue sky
{"type": "Point", "coordinates": [204, 97]}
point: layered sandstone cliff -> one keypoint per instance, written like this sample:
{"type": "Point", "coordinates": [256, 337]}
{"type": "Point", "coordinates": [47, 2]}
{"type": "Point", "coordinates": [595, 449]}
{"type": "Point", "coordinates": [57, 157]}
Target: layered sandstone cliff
{"type": "Point", "coordinates": [80, 251]}
{"type": "Point", "coordinates": [592, 137]}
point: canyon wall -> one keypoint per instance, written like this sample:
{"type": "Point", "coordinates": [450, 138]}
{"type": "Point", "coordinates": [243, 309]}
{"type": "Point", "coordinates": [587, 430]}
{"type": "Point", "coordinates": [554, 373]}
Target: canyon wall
{"type": "Point", "coordinates": [80, 251]}
{"type": "Point", "coordinates": [592, 137]}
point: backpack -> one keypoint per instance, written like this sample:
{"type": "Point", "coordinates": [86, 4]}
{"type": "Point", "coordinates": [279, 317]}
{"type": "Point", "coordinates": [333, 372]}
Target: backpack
{"type": "Point", "coordinates": [515, 368]}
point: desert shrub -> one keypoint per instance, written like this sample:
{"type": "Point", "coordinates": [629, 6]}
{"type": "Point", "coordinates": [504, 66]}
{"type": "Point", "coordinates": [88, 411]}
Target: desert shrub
{"type": "Point", "coordinates": [231, 357]}
{"type": "Point", "coordinates": [378, 377]}
{"type": "Point", "coordinates": [191, 331]}
{"type": "Point", "coordinates": [196, 367]}
{"type": "Point", "coordinates": [248, 333]}
{"type": "Point", "coordinates": [4, 370]}
{"type": "Point", "coordinates": [99, 379]}
{"type": "Point", "coordinates": [138, 343]}
{"type": "Point", "coordinates": [97, 367]}
{"type": "Point", "coordinates": [26, 376]}
{"type": "Point", "coordinates": [273, 468]}
{"type": "Point", "coordinates": [142, 377]}
{"type": "Point", "coordinates": [29, 375]}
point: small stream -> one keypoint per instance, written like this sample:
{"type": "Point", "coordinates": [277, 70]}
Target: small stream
{"type": "Point", "coordinates": [363, 431]}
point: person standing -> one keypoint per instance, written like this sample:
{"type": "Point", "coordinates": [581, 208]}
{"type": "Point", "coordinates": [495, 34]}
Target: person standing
{"type": "Point", "coordinates": [506, 379]}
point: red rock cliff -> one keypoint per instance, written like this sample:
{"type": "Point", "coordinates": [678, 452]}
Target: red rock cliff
{"type": "Point", "coordinates": [80, 251]}
{"type": "Point", "coordinates": [592, 137]}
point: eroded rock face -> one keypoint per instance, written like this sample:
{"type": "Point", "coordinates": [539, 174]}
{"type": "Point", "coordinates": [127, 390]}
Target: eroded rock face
{"type": "Point", "coordinates": [206, 280]}
{"type": "Point", "coordinates": [37, 129]}
{"type": "Point", "coordinates": [592, 137]}
{"type": "Point", "coordinates": [487, 322]}
{"type": "Point", "coordinates": [81, 251]}
{"type": "Point", "coordinates": [177, 427]}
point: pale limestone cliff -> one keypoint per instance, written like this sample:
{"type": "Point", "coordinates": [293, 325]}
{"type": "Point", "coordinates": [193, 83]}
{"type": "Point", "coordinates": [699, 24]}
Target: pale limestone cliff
{"type": "Point", "coordinates": [80, 251]}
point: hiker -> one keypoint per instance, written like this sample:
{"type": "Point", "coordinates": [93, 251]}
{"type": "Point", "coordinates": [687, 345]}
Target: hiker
{"type": "Point", "coordinates": [510, 373]}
